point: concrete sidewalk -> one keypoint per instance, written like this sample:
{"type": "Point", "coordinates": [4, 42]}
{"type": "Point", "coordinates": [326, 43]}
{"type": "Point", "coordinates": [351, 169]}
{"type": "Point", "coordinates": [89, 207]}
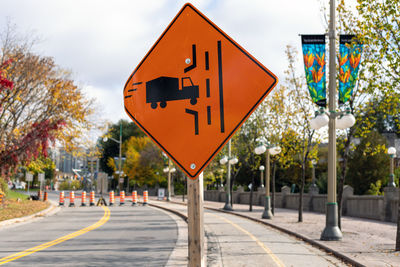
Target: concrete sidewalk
{"type": "Point", "coordinates": [368, 242]}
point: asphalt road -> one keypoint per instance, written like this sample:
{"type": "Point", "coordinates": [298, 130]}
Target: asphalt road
{"type": "Point", "coordinates": [92, 236]}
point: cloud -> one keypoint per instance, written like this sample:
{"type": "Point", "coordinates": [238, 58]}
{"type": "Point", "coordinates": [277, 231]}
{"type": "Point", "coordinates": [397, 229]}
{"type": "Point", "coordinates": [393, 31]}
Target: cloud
{"type": "Point", "coordinates": [101, 41]}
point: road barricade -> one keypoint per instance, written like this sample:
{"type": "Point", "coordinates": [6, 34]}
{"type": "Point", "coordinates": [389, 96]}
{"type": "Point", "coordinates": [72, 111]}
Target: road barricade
{"type": "Point", "coordinates": [122, 198]}
{"type": "Point", "coordinates": [1, 199]}
{"type": "Point", "coordinates": [112, 198]}
{"type": "Point", "coordinates": [61, 202]}
{"type": "Point", "coordinates": [72, 199]}
{"type": "Point", "coordinates": [83, 204]}
{"type": "Point", "coordinates": [92, 198]}
{"type": "Point", "coordinates": [134, 198]}
{"type": "Point", "coordinates": [145, 198]}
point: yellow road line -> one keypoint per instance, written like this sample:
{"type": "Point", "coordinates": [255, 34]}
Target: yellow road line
{"type": "Point", "coordinates": [29, 251]}
{"type": "Point", "coordinates": [261, 244]}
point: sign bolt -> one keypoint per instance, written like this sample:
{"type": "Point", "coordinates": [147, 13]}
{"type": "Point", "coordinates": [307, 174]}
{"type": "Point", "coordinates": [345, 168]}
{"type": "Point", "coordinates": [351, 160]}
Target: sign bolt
{"type": "Point", "coordinates": [187, 61]}
{"type": "Point", "coordinates": [193, 166]}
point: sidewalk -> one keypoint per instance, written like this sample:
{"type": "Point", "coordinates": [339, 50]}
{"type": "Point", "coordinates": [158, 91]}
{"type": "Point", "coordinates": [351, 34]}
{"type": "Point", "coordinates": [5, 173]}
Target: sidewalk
{"type": "Point", "coordinates": [368, 242]}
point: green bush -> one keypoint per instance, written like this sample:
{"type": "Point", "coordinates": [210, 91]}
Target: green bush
{"type": "Point", "coordinates": [3, 187]}
{"type": "Point", "coordinates": [70, 185]}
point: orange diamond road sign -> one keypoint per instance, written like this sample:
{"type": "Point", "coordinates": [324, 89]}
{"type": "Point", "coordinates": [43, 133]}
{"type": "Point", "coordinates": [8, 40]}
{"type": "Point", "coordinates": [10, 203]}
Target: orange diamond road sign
{"type": "Point", "coordinates": [194, 89]}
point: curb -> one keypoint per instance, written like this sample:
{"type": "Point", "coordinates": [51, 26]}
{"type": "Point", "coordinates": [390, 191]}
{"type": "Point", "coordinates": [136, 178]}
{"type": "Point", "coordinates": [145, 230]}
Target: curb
{"type": "Point", "coordinates": [53, 209]}
{"type": "Point", "coordinates": [335, 253]}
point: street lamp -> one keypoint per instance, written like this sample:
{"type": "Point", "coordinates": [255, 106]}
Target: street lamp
{"type": "Point", "coordinates": [169, 170]}
{"type": "Point", "coordinates": [392, 154]}
{"type": "Point", "coordinates": [270, 150]}
{"type": "Point", "coordinates": [346, 120]}
{"type": "Point", "coordinates": [231, 161]}
{"type": "Point", "coordinates": [105, 139]}
{"type": "Point", "coordinates": [262, 168]}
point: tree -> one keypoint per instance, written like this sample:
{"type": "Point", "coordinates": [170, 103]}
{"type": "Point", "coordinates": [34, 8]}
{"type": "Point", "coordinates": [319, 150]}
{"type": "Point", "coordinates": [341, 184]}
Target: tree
{"type": "Point", "coordinates": [368, 164]}
{"type": "Point", "coordinates": [376, 94]}
{"type": "Point", "coordinates": [110, 149]}
{"type": "Point", "coordinates": [43, 105]}
{"type": "Point", "coordinates": [144, 162]}
{"type": "Point", "coordinates": [301, 139]}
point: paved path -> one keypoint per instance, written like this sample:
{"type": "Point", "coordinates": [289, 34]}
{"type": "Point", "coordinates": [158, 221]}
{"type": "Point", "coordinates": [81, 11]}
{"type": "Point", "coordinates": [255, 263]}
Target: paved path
{"type": "Point", "coordinates": [368, 242]}
{"type": "Point", "coordinates": [235, 241]}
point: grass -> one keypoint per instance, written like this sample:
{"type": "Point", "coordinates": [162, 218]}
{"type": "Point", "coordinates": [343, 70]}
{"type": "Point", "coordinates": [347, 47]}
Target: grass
{"type": "Point", "coordinates": [17, 205]}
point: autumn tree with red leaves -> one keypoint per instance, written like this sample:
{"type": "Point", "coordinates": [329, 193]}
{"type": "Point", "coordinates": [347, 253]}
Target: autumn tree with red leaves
{"type": "Point", "coordinates": [39, 103]}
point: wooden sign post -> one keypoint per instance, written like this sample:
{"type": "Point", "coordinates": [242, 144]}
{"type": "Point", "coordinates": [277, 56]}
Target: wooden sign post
{"type": "Point", "coordinates": [195, 222]}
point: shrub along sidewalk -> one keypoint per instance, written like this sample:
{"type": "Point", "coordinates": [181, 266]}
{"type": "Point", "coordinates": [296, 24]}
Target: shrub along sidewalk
{"type": "Point", "coordinates": [17, 205]}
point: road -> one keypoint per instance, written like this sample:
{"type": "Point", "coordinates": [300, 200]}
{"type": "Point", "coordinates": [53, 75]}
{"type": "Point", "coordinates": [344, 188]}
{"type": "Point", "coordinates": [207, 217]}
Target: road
{"type": "Point", "coordinates": [126, 235]}
{"type": "Point", "coordinates": [147, 236]}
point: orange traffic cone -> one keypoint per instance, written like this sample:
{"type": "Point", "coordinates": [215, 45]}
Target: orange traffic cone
{"type": "Point", "coordinates": [111, 198]}
{"type": "Point", "coordinates": [122, 198]}
{"type": "Point", "coordinates": [145, 198]}
{"type": "Point", "coordinates": [134, 198]}
{"type": "Point", "coordinates": [45, 196]}
{"type": "Point", "coordinates": [72, 199]}
{"type": "Point", "coordinates": [61, 202]}
{"type": "Point", "coordinates": [83, 204]}
{"type": "Point", "coordinates": [92, 198]}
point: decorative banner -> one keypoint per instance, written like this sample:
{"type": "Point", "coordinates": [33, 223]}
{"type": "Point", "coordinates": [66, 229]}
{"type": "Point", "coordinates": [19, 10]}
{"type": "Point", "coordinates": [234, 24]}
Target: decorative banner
{"type": "Point", "coordinates": [349, 62]}
{"type": "Point", "coordinates": [314, 65]}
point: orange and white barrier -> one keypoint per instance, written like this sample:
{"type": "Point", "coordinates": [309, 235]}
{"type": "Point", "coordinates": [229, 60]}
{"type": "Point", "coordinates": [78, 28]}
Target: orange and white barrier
{"type": "Point", "coordinates": [145, 198]}
{"type": "Point", "coordinates": [92, 198]}
{"type": "Point", "coordinates": [83, 198]}
{"type": "Point", "coordinates": [122, 198]}
{"type": "Point", "coordinates": [72, 199]}
{"type": "Point", "coordinates": [112, 198]}
{"type": "Point", "coordinates": [1, 199]}
{"type": "Point", "coordinates": [61, 202]}
{"type": "Point", "coordinates": [45, 196]}
{"type": "Point", "coordinates": [134, 198]}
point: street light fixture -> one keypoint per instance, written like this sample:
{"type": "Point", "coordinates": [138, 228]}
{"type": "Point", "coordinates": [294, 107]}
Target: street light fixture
{"type": "Point", "coordinates": [105, 139]}
{"type": "Point", "coordinates": [392, 154]}
{"type": "Point", "coordinates": [270, 150]}
{"type": "Point", "coordinates": [169, 170]}
{"type": "Point", "coordinates": [262, 168]}
{"type": "Point", "coordinates": [231, 161]}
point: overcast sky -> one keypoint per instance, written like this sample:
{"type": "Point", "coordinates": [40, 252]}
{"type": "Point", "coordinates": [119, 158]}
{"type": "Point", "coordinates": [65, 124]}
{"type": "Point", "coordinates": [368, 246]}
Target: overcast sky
{"type": "Point", "coordinates": [101, 42]}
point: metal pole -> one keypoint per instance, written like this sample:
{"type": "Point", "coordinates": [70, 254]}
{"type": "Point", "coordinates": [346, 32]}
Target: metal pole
{"type": "Point", "coordinates": [169, 180]}
{"type": "Point", "coordinates": [261, 178]}
{"type": "Point", "coordinates": [391, 183]}
{"type": "Point", "coordinates": [228, 181]}
{"type": "Point", "coordinates": [120, 158]}
{"type": "Point", "coordinates": [267, 214]}
{"type": "Point", "coordinates": [332, 231]}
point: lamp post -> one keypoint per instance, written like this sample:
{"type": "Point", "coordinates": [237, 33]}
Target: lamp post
{"type": "Point", "coordinates": [231, 161]}
{"type": "Point", "coordinates": [269, 150]}
{"type": "Point", "coordinates": [262, 168]}
{"type": "Point", "coordinates": [392, 154]}
{"type": "Point", "coordinates": [331, 231]}
{"type": "Point", "coordinates": [105, 139]}
{"type": "Point", "coordinates": [169, 170]}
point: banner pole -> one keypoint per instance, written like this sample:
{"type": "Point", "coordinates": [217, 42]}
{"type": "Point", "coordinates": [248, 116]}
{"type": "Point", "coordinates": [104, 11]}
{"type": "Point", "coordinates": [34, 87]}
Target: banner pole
{"type": "Point", "coordinates": [195, 222]}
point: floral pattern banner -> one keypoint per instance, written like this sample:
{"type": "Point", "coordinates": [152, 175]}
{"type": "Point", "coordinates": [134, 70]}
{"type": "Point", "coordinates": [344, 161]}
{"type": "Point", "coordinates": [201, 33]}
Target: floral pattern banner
{"type": "Point", "coordinates": [349, 61]}
{"type": "Point", "coordinates": [314, 65]}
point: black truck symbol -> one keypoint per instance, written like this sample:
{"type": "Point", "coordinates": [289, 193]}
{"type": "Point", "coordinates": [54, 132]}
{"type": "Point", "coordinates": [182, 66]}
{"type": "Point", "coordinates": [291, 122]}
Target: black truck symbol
{"type": "Point", "coordinates": [163, 89]}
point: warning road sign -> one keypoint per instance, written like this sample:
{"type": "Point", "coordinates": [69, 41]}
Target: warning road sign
{"type": "Point", "coordinates": [194, 89]}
